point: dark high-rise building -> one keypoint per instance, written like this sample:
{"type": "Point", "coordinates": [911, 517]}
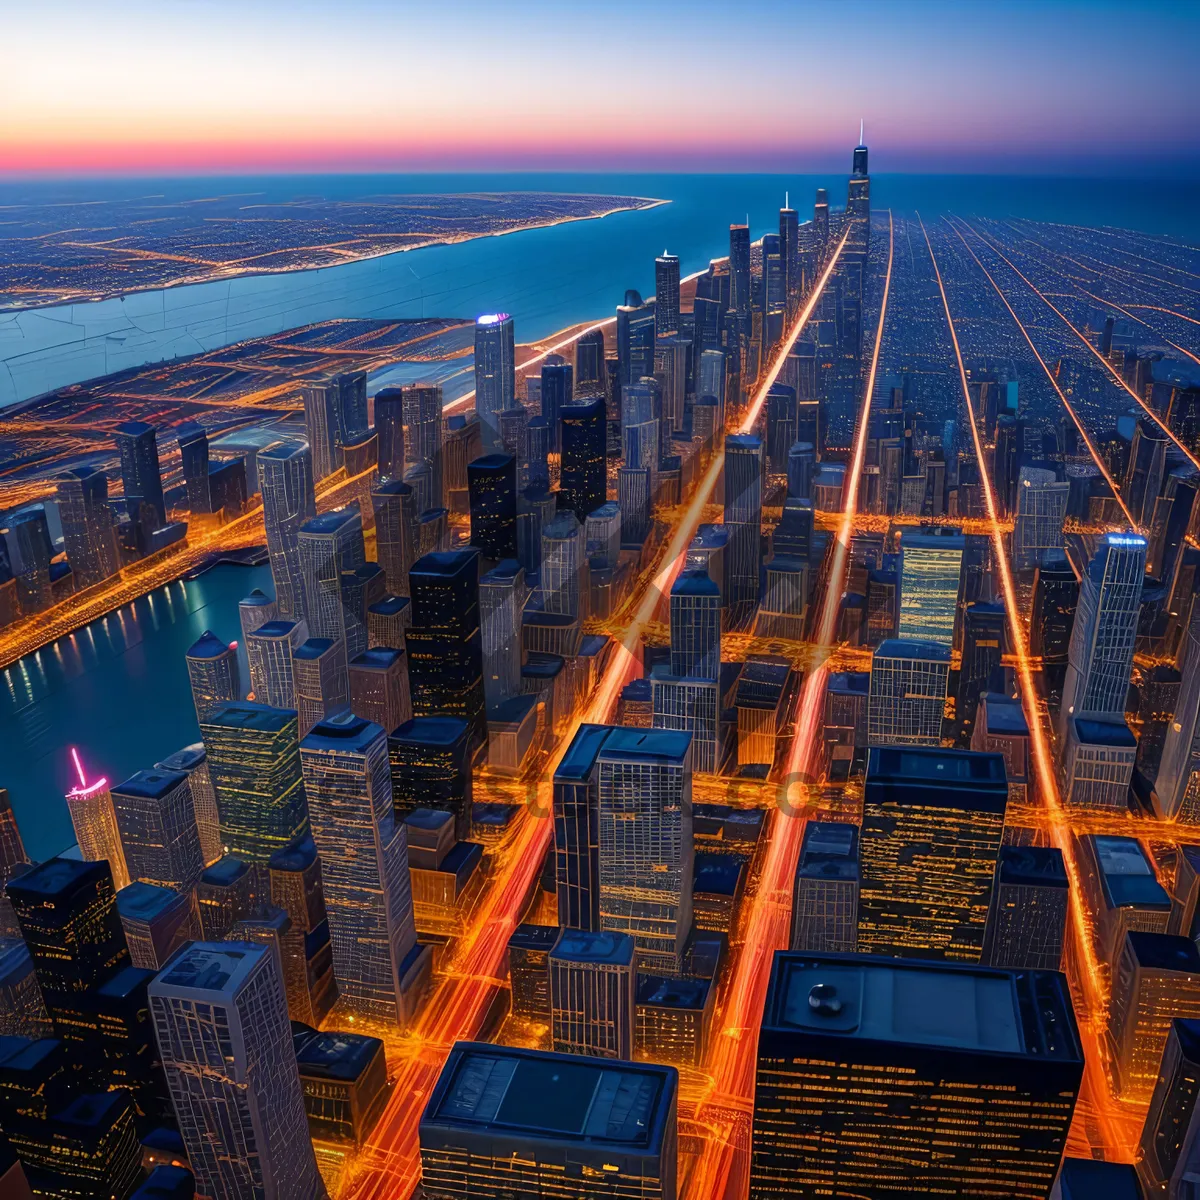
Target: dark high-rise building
{"type": "Point", "coordinates": [743, 516]}
{"type": "Point", "coordinates": [157, 921]}
{"type": "Point", "coordinates": [157, 823]}
{"type": "Point", "coordinates": [1169, 1162]}
{"type": "Point", "coordinates": [592, 988]}
{"type": "Point", "coordinates": [984, 637]}
{"type": "Point", "coordinates": [695, 626]}
{"type": "Point", "coordinates": [254, 762]}
{"type": "Point", "coordinates": [445, 654]}
{"type": "Point", "coordinates": [430, 760]}
{"type": "Point", "coordinates": [1055, 597]}
{"type": "Point", "coordinates": [141, 478]}
{"type": "Point", "coordinates": [495, 375]}
{"type": "Point", "coordinates": [825, 896]}
{"type": "Point", "coordinates": [389, 429]}
{"type": "Point", "coordinates": [13, 861]}
{"type": "Point", "coordinates": [504, 1121]}
{"type": "Point", "coordinates": [739, 270]}
{"type": "Point", "coordinates": [932, 823]}
{"type": "Point", "coordinates": [590, 375]}
{"type": "Point", "coordinates": [395, 519]}
{"type": "Point", "coordinates": [789, 249]}
{"type": "Point", "coordinates": [635, 338]}
{"type": "Point", "coordinates": [87, 523]}
{"type": "Point", "coordinates": [379, 687]}
{"type": "Point", "coordinates": [30, 535]}
{"type": "Point", "coordinates": [584, 478]}
{"type": "Point", "coordinates": [558, 390]}
{"type": "Point", "coordinates": [492, 481]}
{"type": "Point", "coordinates": [529, 970]}
{"type": "Point", "coordinates": [820, 221]}
{"type": "Point", "coordinates": [1028, 920]}
{"type": "Point", "coordinates": [331, 544]}
{"type": "Point", "coordinates": [285, 475]}
{"type": "Point", "coordinates": [320, 681]}
{"type": "Point", "coordinates": [323, 426]}
{"type": "Point", "coordinates": [666, 294]}
{"type": "Point", "coordinates": [577, 830]}
{"type": "Point", "coordinates": [879, 1078]}
{"type": "Point", "coordinates": [193, 453]}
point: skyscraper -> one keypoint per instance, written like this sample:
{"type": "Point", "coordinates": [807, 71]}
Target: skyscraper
{"type": "Point", "coordinates": [1055, 596]}
{"type": "Point", "coordinates": [364, 864]}
{"type": "Point", "coordinates": [221, 1023]}
{"type": "Point", "coordinates": [158, 829]}
{"type": "Point", "coordinates": [254, 763]}
{"type": "Point", "coordinates": [739, 270]}
{"type": "Point", "coordinates": [213, 672]}
{"type": "Point", "coordinates": [31, 534]}
{"type": "Point", "coordinates": [87, 523]}
{"type": "Point", "coordinates": [320, 678]}
{"type": "Point", "coordinates": [1169, 1158]}
{"type": "Point", "coordinates": [157, 921]}
{"type": "Point", "coordinates": [825, 896]}
{"type": "Point", "coordinates": [141, 478]}
{"type": "Point", "coordinates": [95, 825]}
{"type": "Point", "coordinates": [501, 602]}
{"type": "Point", "coordinates": [389, 429]}
{"type": "Point", "coordinates": [584, 475]}
{"type": "Point", "coordinates": [932, 823]}
{"type": "Point", "coordinates": [394, 505]}
{"type": "Point", "coordinates": [557, 391]}
{"type": "Point", "coordinates": [422, 409]}
{"type": "Point", "coordinates": [445, 655]}
{"type": "Point", "coordinates": [985, 633]}
{"type": "Point", "coordinates": [331, 544]}
{"type": "Point", "coordinates": [666, 294]}
{"type": "Point", "coordinates": [695, 625]}
{"type": "Point", "coordinates": [255, 611]}
{"type": "Point", "coordinates": [645, 841]}
{"type": "Point", "coordinates": [1041, 510]}
{"type": "Point", "coordinates": [323, 426]}
{"type": "Point", "coordinates": [285, 474]}
{"type": "Point", "coordinates": [492, 482]}
{"type": "Point", "coordinates": [820, 221]}
{"type": "Point", "coordinates": [592, 984]}
{"type": "Point", "coordinates": [269, 651]}
{"type": "Point", "coordinates": [589, 362]}
{"type": "Point", "coordinates": [13, 861]}
{"type": "Point", "coordinates": [930, 574]}
{"type": "Point", "coordinates": [743, 516]}
{"type": "Point", "coordinates": [562, 565]}
{"type": "Point", "coordinates": [1100, 657]}
{"type": "Point", "coordinates": [577, 830]}
{"type": "Point", "coordinates": [495, 375]}
{"type": "Point", "coordinates": [431, 767]}
{"type": "Point", "coordinates": [907, 700]}
{"type": "Point", "coordinates": [1177, 785]}
{"type": "Point", "coordinates": [1028, 920]}
{"type": "Point", "coordinates": [523, 1121]}
{"type": "Point", "coordinates": [879, 1077]}
{"type": "Point", "coordinates": [379, 687]}
{"type": "Point", "coordinates": [1156, 979]}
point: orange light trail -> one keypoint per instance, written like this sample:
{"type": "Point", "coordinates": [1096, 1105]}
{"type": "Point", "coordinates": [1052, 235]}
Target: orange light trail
{"type": "Point", "coordinates": [1083, 433]}
{"type": "Point", "coordinates": [1139, 320]}
{"type": "Point", "coordinates": [1117, 378]}
{"type": "Point", "coordinates": [724, 1169]}
{"type": "Point", "coordinates": [1169, 311]}
{"type": "Point", "coordinates": [390, 1164]}
{"type": "Point", "coordinates": [1090, 974]}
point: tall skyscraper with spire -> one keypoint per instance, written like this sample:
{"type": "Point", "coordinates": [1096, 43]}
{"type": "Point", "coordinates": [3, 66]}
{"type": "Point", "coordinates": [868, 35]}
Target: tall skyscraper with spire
{"type": "Point", "coordinates": [858, 198]}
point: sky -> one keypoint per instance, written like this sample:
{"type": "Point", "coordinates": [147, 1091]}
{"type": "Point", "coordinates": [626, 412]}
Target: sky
{"type": "Point", "coordinates": [212, 86]}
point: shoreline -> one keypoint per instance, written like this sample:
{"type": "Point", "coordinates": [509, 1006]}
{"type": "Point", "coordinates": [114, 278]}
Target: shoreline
{"type": "Point", "coordinates": [646, 203]}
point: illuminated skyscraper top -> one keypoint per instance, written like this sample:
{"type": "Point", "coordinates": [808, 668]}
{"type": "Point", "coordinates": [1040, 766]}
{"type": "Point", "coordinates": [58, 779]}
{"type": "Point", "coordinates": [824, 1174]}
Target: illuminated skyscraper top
{"type": "Point", "coordinates": [860, 154]}
{"type": "Point", "coordinates": [666, 294]}
{"type": "Point", "coordinates": [495, 378]}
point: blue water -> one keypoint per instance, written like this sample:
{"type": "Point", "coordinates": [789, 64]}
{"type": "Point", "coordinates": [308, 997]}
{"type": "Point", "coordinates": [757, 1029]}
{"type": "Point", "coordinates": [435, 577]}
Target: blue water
{"type": "Point", "coordinates": [545, 278]}
{"type": "Point", "coordinates": [118, 689]}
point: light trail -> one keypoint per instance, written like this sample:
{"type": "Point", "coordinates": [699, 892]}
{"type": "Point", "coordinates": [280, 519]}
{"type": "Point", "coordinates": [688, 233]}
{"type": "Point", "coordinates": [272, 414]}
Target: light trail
{"type": "Point", "coordinates": [390, 1165]}
{"type": "Point", "coordinates": [1169, 311]}
{"type": "Point", "coordinates": [724, 1169]}
{"type": "Point", "coordinates": [1083, 433]}
{"type": "Point", "coordinates": [1090, 975]}
{"type": "Point", "coordinates": [1140, 320]}
{"type": "Point", "coordinates": [1117, 377]}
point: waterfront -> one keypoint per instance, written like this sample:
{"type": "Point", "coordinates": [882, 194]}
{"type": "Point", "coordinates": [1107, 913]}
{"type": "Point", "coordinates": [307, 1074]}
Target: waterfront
{"type": "Point", "coordinates": [547, 278]}
{"type": "Point", "coordinates": [118, 688]}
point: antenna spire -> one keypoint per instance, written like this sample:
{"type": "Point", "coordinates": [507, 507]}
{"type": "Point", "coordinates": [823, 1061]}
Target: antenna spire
{"type": "Point", "coordinates": [861, 123]}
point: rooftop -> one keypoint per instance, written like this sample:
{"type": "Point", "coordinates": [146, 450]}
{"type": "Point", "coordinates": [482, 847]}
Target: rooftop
{"type": "Point", "coordinates": [603, 946]}
{"type": "Point", "coordinates": [431, 731]}
{"type": "Point", "coordinates": [57, 876]}
{"type": "Point", "coordinates": [335, 1055]}
{"type": "Point", "coordinates": [342, 732]}
{"type": "Point", "coordinates": [577, 763]}
{"type": "Point", "coordinates": [150, 784]}
{"type": "Point", "coordinates": [332, 521]}
{"type": "Point", "coordinates": [246, 714]}
{"type": "Point", "coordinates": [216, 967]}
{"type": "Point", "coordinates": [145, 901]}
{"type": "Point", "coordinates": [829, 850]}
{"type": "Point", "coordinates": [912, 648]}
{"type": "Point", "coordinates": [1126, 875]}
{"type": "Point", "coordinates": [256, 597]}
{"type": "Point", "coordinates": [207, 645]}
{"type": "Point", "coordinates": [553, 1096]}
{"type": "Point", "coordinates": [379, 658]}
{"type": "Point", "coordinates": [313, 648]}
{"type": "Point", "coordinates": [661, 745]}
{"type": "Point", "coordinates": [534, 937]}
{"type": "Point", "coordinates": [662, 992]}
{"type": "Point", "coordinates": [446, 563]}
{"type": "Point", "coordinates": [186, 759]}
{"type": "Point", "coordinates": [930, 1005]}
{"type": "Point", "coordinates": [695, 581]}
{"type": "Point", "coordinates": [1090, 1179]}
{"type": "Point", "coordinates": [295, 856]}
{"type": "Point", "coordinates": [390, 605]}
{"type": "Point", "coordinates": [967, 779]}
{"type": "Point", "coordinates": [274, 629]}
{"type": "Point", "coordinates": [1164, 951]}
{"type": "Point", "coordinates": [856, 683]}
{"type": "Point", "coordinates": [224, 872]}
{"type": "Point", "coordinates": [1039, 866]}
{"type": "Point", "coordinates": [716, 874]}
{"type": "Point", "coordinates": [1005, 716]}
{"type": "Point", "coordinates": [1095, 731]}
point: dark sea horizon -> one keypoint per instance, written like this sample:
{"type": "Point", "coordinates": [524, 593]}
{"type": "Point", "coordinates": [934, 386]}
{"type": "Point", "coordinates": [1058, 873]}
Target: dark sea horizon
{"type": "Point", "coordinates": [118, 688]}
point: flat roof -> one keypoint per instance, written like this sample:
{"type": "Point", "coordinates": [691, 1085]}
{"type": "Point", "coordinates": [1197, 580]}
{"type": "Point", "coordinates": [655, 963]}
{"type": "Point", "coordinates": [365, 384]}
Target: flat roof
{"type": "Point", "coordinates": [912, 648]}
{"type": "Point", "coordinates": [430, 731]}
{"type": "Point", "coordinates": [579, 760]}
{"type": "Point", "coordinates": [337, 1055]}
{"type": "Point", "coordinates": [660, 745]}
{"type": "Point", "coordinates": [1095, 731]}
{"type": "Point", "coordinates": [224, 871]}
{"type": "Point", "coordinates": [1089, 1179]}
{"type": "Point", "coordinates": [930, 1005]}
{"type": "Point", "coordinates": [937, 537]}
{"type": "Point", "coordinates": [660, 991]}
{"type": "Point", "coordinates": [56, 876]}
{"type": "Point", "coordinates": [145, 901]}
{"type": "Point", "coordinates": [855, 683]}
{"type": "Point", "coordinates": [695, 581]}
{"type": "Point", "coordinates": [445, 562]}
{"type": "Point", "coordinates": [1037, 866]}
{"type": "Point", "coordinates": [534, 937]}
{"type": "Point", "coordinates": [829, 850]}
{"type": "Point", "coordinates": [279, 629]}
{"type": "Point", "coordinates": [313, 648]}
{"type": "Point", "coordinates": [560, 1096]}
{"type": "Point", "coordinates": [332, 521]}
{"type": "Point", "coordinates": [594, 946]}
{"type": "Point", "coordinates": [378, 658]}
{"type": "Point", "coordinates": [716, 874]}
{"type": "Point", "coordinates": [187, 759]}
{"type": "Point", "coordinates": [973, 780]}
{"type": "Point", "coordinates": [246, 714]}
{"type": "Point", "coordinates": [1164, 951]}
{"type": "Point", "coordinates": [298, 855]}
{"type": "Point", "coordinates": [1005, 716]}
{"type": "Point", "coordinates": [150, 784]}
{"type": "Point", "coordinates": [1126, 876]}
{"type": "Point", "coordinates": [216, 967]}
{"type": "Point", "coordinates": [390, 605]}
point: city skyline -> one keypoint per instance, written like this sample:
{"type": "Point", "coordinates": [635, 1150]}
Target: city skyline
{"type": "Point", "coordinates": [175, 93]}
